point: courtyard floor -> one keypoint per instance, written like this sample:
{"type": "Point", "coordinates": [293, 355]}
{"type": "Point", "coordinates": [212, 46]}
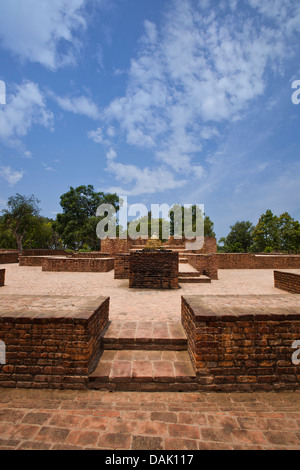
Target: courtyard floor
{"type": "Point", "coordinates": [32, 419]}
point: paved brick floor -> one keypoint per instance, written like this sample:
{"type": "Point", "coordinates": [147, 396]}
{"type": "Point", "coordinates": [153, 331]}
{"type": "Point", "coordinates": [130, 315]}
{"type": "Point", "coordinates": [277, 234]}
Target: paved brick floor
{"type": "Point", "coordinates": [171, 421]}
{"type": "Point", "coordinates": [155, 421]}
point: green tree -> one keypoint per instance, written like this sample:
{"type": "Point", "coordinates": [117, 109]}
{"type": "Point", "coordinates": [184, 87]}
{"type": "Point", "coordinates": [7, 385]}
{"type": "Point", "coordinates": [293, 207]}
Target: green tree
{"type": "Point", "coordinates": [266, 235]}
{"type": "Point", "coordinates": [289, 233]}
{"type": "Point", "coordinates": [192, 212]}
{"type": "Point", "coordinates": [240, 239]}
{"type": "Point", "coordinates": [21, 216]}
{"type": "Point", "coordinates": [77, 224]}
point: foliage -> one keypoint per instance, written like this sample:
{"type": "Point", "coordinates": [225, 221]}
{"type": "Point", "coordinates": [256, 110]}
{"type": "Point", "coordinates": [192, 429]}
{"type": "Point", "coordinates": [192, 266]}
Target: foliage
{"type": "Point", "coordinates": [77, 224]}
{"type": "Point", "coordinates": [239, 240]}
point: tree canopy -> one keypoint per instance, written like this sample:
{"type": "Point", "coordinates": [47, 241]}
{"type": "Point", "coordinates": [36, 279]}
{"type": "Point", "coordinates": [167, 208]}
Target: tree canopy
{"type": "Point", "coordinates": [77, 223]}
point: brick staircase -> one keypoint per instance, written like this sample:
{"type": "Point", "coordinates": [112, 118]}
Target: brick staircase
{"type": "Point", "coordinates": [189, 275]}
{"type": "Point", "coordinates": [145, 356]}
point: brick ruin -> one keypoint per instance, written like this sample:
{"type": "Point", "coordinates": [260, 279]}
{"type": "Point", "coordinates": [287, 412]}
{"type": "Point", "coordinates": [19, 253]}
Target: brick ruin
{"type": "Point", "coordinates": [153, 270]}
{"type": "Point", "coordinates": [55, 346]}
{"type": "Point", "coordinates": [289, 282]}
{"type": "Point", "coordinates": [88, 265]}
{"type": "Point", "coordinates": [239, 346]}
{"type": "Point", "coordinates": [2, 277]}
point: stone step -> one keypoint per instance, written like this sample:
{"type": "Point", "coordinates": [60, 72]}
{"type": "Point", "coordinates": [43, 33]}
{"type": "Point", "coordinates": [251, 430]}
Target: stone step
{"type": "Point", "coordinates": [189, 274]}
{"type": "Point", "coordinates": [144, 370]}
{"type": "Point", "coordinates": [145, 335]}
{"type": "Point", "coordinates": [194, 280]}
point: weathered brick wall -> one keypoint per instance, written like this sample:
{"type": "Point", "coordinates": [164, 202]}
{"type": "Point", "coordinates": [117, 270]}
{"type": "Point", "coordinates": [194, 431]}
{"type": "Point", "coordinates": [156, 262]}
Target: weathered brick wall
{"type": "Point", "coordinates": [122, 266]}
{"type": "Point", "coordinates": [153, 270]}
{"type": "Point", "coordinates": [245, 352]}
{"type": "Point", "coordinates": [9, 257]}
{"type": "Point", "coordinates": [289, 282]}
{"type": "Point", "coordinates": [93, 254]}
{"type": "Point", "coordinates": [205, 264]}
{"type": "Point", "coordinates": [114, 246]}
{"type": "Point", "coordinates": [252, 261]}
{"type": "Point", "coordinates": [44, 252]}
{"type": "Point", "coordinates": [48, 352]}
{"type": "Point", "coordinates": [30, 261]}
{"type": "Point", "coordinates": [82, 265]}
{"type": "Point", "coordinates": [2, 277]}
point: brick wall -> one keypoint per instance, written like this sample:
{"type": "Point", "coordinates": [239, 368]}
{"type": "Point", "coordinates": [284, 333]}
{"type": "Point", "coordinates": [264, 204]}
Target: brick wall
{"type": "Point", "coordinates": [122, 266]}
{"type": "Point", "coordinates": [114, 246]}
{"type": "Point", "coordinates": [2, 277]}
{"type": "Point", "coordinates": [50, 351]}
{"type": "Point", "coordinates": [78, 265]}
{"type": "Point", "coordinates": [44, 252]}
{"type": "Point", "coordinates": [241, 349]}
{"type": "Point", "coordinates": [205, 264]}
{"type": "Point", "coordinates": [252, 261]}
{"type": "Point", "coordinates": [9, 257]}
{"type": "Point", "coordinates": [289, 282]}
{"type": "Point", "coordinates": [153, 270]}
{"type": "Point", "coordinates": [93, 254]}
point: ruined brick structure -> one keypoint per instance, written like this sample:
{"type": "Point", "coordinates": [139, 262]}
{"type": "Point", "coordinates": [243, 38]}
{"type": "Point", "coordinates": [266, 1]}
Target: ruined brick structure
{"type": "Point", "coordinates": [289, 282]}
{"type": "Point", "coordinates": [9, 257]}
{"type": "Point", "coordinates": [205, 264]}
{"type": "Point", "coordinates": [241, 343]}
{"type": "Point", "coordinates": [55, 346]}
{"type": "Point", "coordinates": [88, 265]}
{"type": "Point", "coordinates": [253, 261]}
{"type": "Point", "coordinates": [2, 277]}
{"type": "Point", "coordinates": [122, 266]}
{"type": "Point", "coordinates": [153, 270]}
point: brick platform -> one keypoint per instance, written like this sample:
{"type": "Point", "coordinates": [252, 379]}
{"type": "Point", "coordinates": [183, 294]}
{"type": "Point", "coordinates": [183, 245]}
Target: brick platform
{"type": "Point", "coordinates": [2, 277]}
{"type": "Point", "coordinates": [9, 257]}
{"type": "Point", "coordinates": [122, 266]}
{"type": "Point", "coordinates": [51, 341]}
{"type": "Point", "coordinates": [252, 261]}
{"type": "Point", "coordinates": [153, 270]}
{"type": "Point", "coordinates": [242, 343]}
{"type": "Point", "coordinates": [206, 265]}
{"type": "Point", "coordinates": [289, 282]}
{"type": "Point", "coordinates": [87, 265]}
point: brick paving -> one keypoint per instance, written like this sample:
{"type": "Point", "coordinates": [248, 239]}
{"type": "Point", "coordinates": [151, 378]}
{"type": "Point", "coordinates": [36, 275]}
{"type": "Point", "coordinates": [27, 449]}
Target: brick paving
{"type": "Point", "coordinates": [32, 419]}
{"type": "Point", "coordinates": [57, 420]}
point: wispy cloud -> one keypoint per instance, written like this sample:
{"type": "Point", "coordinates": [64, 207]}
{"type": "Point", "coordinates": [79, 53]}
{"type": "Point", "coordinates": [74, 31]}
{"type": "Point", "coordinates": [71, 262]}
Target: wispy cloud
{"type": "Point", "coordinates": [25, 107]}
{"type": "Point", "coordinates": [12, 177]}
{"type": "Point", "coordinates": [35, 30]}
{"type": "Point", "coordinates": [78, 105]}
{"type": "Point", "coordinates": [200, 69]}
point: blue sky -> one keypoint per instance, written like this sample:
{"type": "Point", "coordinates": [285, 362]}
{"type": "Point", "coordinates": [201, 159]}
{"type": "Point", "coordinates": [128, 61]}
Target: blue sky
{"type": "Point", "coordinates": [165, 101]}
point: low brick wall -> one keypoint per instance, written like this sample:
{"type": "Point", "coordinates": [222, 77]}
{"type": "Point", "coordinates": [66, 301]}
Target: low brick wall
{"type": "Point", "coordinates": [252, 261]}
{"type": "Point", "coordinates": [93, 254]}
{"type": "Point", "coordinates": [115, 246]}
{"type": "Point", "coordinates": [205, 264]}
{"type": "Point", "coordinates": [2, 277]}
{"type": "Point", "coordinates": [122, 266]}
{"type": "Point", "coordinates": [87, 265]}
{"type": "Point", "coordinates": [55, 346]}
{"type": "Point", "coordinates": [289, 282]}
{"type": "Point", "coordinates": [9, 257]}
{"type": "Point", "coordinates": [241, 344]}
{"type": "Point", "coordinates": [44, 252]}
{"type": "Point", "coordinates": [153, 270]}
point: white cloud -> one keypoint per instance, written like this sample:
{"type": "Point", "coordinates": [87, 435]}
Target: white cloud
{"type": "Point", "coordinates": [77, 105]}
{"type": "Point", "coordinates": [25, 107]}
{"type": "Point", "coordinates": [35, 29]}
{"type": "Point", "coordinates": [202, 68]}
{"type": "Point", "coordinates": [140, 181]}
{"type": "Point", "coordinates": [11, 176]}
